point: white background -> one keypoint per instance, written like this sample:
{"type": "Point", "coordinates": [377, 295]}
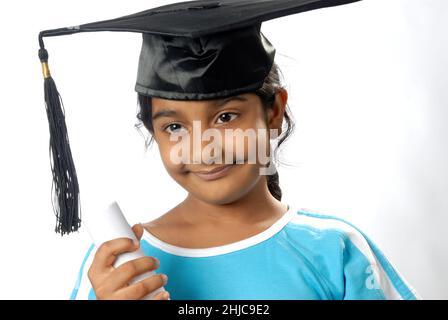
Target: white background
{"type": "Point", "coordinates": [367, 86]}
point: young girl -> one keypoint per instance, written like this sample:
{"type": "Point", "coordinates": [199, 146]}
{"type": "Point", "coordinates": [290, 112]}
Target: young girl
{"type": "Point", "coordinates": [205, 70]}
{"type": "Point", "coordinates": [232, 237]}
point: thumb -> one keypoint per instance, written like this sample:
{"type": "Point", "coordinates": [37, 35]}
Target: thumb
{"type": "Point", "coordinates": [138, 230]}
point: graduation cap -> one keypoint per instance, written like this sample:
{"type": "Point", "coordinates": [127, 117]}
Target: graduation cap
{"type": "Point", "coordinates": [191, 50]}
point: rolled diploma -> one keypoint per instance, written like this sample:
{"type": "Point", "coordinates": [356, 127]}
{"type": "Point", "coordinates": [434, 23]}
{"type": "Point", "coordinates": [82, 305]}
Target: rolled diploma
{"type": "Point", "coordinates": [111, 224]}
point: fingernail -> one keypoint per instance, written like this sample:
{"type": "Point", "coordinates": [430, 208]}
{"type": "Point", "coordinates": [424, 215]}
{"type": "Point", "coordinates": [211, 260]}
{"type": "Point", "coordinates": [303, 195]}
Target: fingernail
{"type": "Point", "coordinates": [165, 278]}
{"type": "Point", "coordinates": [136, 243]}
{"type": "Point", "coordinates": [166, 295]}
{"type": "Point", "coordinates": [157, 262]}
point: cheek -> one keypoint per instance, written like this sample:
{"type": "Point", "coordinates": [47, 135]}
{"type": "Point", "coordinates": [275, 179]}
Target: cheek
{"type": "Point", "coordinates": [171, 163]}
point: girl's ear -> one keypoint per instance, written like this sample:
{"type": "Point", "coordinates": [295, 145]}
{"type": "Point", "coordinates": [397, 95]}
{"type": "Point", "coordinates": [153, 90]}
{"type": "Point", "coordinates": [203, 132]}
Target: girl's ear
{"type": "Point", "coordinates": [276, 113]}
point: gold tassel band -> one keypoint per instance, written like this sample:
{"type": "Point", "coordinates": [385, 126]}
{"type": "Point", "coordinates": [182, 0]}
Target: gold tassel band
{"type": "Point", "coordinates": [45, 70]}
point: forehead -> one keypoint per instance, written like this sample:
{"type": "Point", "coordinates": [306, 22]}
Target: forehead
{"type": "Point", "coordinates": [174, 104]}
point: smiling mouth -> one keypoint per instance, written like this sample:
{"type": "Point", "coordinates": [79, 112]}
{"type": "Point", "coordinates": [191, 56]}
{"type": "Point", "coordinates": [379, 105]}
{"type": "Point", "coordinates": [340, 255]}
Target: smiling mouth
{"type": "Point", "coordinates": [214, 173]}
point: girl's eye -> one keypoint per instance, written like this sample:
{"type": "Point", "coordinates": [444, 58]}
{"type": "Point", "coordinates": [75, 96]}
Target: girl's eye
{"type": "Point", "coordinates": [228, 116]}
{"type": "Point", "coordinates": [173, 128]}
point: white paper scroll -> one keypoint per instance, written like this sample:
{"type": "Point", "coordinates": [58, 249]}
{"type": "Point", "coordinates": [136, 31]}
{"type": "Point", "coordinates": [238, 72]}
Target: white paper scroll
{"type": "Point", "coordinates": [111, 224]}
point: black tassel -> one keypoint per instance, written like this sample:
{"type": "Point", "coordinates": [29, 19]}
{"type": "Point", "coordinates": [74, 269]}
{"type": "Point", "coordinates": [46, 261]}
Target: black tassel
{"type": "Point", "coordinates": [65, 188]}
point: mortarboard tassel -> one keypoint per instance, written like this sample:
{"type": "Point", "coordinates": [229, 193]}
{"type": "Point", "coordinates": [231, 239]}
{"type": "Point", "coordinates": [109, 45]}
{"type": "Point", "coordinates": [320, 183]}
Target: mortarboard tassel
{"type": "Point", "coordinates": [65, 189]}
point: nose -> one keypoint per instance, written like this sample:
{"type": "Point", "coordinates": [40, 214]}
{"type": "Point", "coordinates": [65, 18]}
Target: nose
{"type": "Point", "coordinates": [206, 146]}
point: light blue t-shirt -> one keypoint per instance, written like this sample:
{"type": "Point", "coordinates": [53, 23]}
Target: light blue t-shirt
{"type": "Point", "coordinates": [303, 255]}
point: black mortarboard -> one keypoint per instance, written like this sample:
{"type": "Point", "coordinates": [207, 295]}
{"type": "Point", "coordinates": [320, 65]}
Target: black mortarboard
{"type": "Point", "coordinates": [192, 50]}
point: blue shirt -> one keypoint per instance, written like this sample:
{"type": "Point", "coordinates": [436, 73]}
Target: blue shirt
{"type": "Point", "coordinates": [303, 255]}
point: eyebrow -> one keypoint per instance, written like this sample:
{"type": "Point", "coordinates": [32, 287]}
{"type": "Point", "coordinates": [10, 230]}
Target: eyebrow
{"type": "Point", "coordinates": [217, 103]}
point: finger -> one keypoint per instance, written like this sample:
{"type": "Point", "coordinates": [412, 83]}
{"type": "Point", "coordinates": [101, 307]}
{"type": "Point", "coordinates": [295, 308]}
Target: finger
{"type": "Point", "coordinates": [141, 288]}
{"type": "Point", "coordinates": [138, 230]}
{"type": "Point", "coordinates": [119, 277]}
{"type": "Point", "coordinates": [164, 295]}
{"type": "Point", "coordinates": [107, 253]}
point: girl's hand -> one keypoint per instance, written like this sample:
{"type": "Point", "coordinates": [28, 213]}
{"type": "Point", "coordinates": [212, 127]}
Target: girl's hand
{"type": "Point", "coordinates": [112, 283]}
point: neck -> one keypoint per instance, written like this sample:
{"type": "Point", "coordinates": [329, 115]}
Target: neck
{"type": "Point", "coordinates": [255, 206]}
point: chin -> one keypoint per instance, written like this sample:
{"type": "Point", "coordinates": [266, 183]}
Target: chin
{"type": "Point", "coordinates": [226, 190]}
{"type": "Point", "coordinates": [221, 198]}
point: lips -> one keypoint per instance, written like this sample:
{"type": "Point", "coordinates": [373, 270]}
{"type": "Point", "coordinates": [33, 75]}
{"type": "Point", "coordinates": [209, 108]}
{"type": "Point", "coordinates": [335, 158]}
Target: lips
{"type": "Point", "coordinates": [214, 173]}
{"type": "Point", "coordinates": [213, 170]}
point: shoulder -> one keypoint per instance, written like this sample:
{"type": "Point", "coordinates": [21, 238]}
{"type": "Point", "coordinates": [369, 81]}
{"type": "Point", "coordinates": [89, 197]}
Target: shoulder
{"type": "Point", "coordinates": [161, 226]}
{"type": "Point", "coordinates": [363, 264]}
{"type": "Point", "coordinates": [329, 232]}
{"type": "Point", "coordinates": [347, 237]}
{"type": "Point", "coordinates": [319, 221]}
{"type": "Point", "coordinates": [164, 221]}
{"type": "Point", "coordinates": [323, 224]}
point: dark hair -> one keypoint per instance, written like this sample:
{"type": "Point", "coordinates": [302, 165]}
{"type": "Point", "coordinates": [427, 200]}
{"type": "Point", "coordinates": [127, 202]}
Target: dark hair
{"type": "Point", "coordinates": [267, 95]}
